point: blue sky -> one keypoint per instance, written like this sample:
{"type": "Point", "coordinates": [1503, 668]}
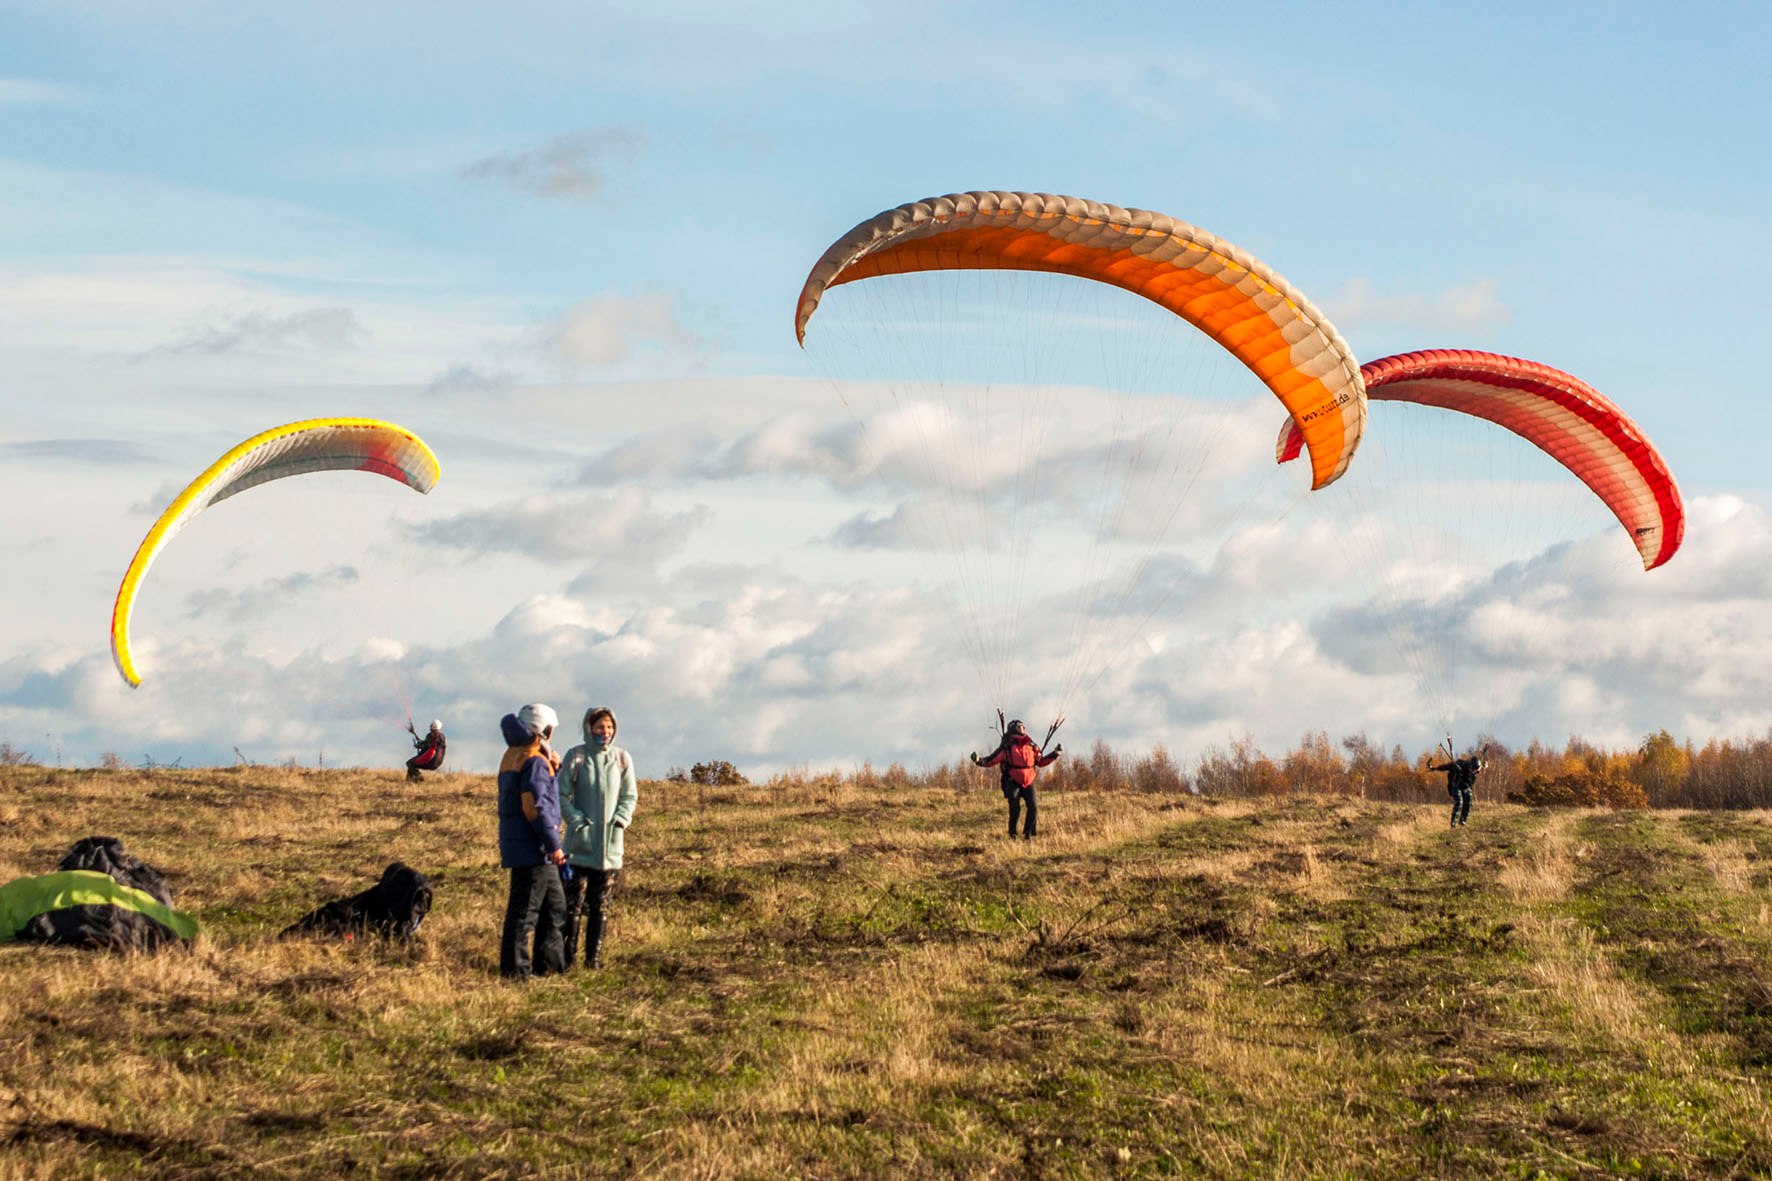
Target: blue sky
{"type": "Point", "coordinates": [539, 233]}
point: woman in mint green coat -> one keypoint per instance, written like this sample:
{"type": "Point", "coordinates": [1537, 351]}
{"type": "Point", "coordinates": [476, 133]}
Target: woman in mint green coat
{"type": "Point", "coordinates": [597, 798]}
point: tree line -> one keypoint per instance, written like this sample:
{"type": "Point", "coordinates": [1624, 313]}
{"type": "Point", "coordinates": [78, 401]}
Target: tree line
{"type": "Point", "coordinates": [1659, 772]}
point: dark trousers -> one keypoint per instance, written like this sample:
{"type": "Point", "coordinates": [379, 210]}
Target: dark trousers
{"type": "Point", "coordinates": [588, 895]}
{"type": "Point", "coordinates": [537, 905]}
{"type": "Point", "coordinates": [1018, 796]}
{"type": "Point", "coordinates": [1461, 804]}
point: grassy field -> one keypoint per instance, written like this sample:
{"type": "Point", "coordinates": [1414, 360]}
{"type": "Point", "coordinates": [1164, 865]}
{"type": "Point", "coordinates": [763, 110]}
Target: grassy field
{"type": "Point", "coordinates": [818, 982]}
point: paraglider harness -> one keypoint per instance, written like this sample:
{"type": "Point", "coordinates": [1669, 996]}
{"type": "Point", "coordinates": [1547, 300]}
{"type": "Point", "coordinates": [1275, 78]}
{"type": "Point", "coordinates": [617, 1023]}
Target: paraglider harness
{"type": "Point", "coordinates": [1461, 779]}
{"type": "Point", "coordinates": [393, 908]}
{"type": "Point", "coordinates": [1461, 774]}
{"type": "Point", "coordinates": [1014, 753]}
{"type": "Point", "coordinates": [430, 750]}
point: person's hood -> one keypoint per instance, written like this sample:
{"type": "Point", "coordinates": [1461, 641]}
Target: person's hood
{"type": "Point", "coordinates": [591, 715]}
{"type": "Point", "coordinates": [515, 733]}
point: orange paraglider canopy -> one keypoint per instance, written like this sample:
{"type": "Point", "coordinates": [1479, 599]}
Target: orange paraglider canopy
{"type": "Point", "coordinates": [1228, 294]}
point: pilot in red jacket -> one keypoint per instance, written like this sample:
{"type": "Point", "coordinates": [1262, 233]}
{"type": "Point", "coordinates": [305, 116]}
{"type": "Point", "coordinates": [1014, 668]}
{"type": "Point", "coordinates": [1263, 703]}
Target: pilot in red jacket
{"type": "Point", "coordinates": [1020, 761]}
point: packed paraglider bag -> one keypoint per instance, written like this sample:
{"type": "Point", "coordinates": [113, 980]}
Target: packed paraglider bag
{"type": "Point", "coordinates": [98, 927]}
{"type": "Point", "coordinates": [101, 898]}
{"type": "Point", "coordinates": [393, 908]}
{"type": "Point", "coordinates": [106, 855]}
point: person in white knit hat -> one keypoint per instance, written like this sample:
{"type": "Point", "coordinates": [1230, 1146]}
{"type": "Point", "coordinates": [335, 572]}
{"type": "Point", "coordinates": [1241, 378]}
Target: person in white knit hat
{"type": "Point", "coordinates": [529, 846]}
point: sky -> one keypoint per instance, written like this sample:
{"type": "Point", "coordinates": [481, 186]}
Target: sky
{"type": "Point", "coordinates": [562, 243]}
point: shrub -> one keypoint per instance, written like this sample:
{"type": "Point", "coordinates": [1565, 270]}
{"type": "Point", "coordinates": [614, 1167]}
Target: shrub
{"type": "Point", "coordinates": [1157, 773]}
{"type": "Point", "coordinates": [1585, 788]}
{"type": "Point", "coordinates": [717, 773]}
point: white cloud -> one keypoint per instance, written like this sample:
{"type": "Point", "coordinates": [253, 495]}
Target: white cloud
{"type": "Point", "coordinates": [256, 602]}
{"type": "Point", "coordinates": [914, 524]}
{"type": "Point", "coordinates": [1083, 458]}
{"type": "Point", "coordinates": [1466, 307]}
{"type": "Point", "coordinates": [610, 329]}
{"type": "Point", "coordinates": [1577, 642]}
{"type": "Point", "coordinates": [770, 670]}
{"type": "Point", "coordinates": [575, 166]}
{"type": "Point", "coordinates": [94, 451]}
{"type": "Point", "coordinates": [470, 379]}
{"type": "Point", "coordinates": [623, 527]}
{"type": "Point", "coordinates": [316, 328]}
{"type": "Point", "coordinates": [27, 92]}
{"type": "Point", "coordinates": [125, 330]}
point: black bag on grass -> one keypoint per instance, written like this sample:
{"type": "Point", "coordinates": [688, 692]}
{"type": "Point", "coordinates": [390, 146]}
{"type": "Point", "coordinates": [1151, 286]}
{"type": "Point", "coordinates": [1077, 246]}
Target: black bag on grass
{"type": "Point", "coordinates": [393, 908]}
{"type": "Point", "coordinates": [106, 855]}
{"type": "Point", "coordinates": [98, 928]}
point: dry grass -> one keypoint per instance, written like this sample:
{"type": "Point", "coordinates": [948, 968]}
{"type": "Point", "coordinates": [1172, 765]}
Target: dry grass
{"type": "Point", "coordinates": [817, 980]}
{"type": "Point", "coordinates": [1546, 870]}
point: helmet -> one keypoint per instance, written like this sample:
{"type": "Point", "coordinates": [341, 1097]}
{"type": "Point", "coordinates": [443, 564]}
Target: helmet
{"type": "Point", "coordinates": [436, 727]}
{"type": "Point", "coordinates": [538, 719]}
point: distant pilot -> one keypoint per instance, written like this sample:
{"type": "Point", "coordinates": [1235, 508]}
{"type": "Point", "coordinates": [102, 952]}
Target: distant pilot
{"type": "Point", "coordinates": [430, 751]}
{"type": "Point", "coordinates": [1461, 777]}
{"type": "Point", "coordinates": [1020, 760]}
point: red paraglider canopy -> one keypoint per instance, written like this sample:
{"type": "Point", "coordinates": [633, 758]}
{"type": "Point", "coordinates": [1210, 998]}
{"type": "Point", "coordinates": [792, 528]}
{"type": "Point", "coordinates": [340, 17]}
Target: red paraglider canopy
{"type": "Point", "coordinates": [1560, 414]}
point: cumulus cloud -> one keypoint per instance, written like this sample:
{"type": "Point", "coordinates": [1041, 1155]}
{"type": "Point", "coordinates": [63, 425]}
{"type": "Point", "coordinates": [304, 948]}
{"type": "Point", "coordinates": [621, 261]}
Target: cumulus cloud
{"type": "Point", "coordinates": [611, 329]}
{"type": "Point", "coordinates": [572, 167]}
{"type": "Point", "coordinates": [1467, 306]}
{"type": "Point", "coordinates": [1574, 641]}
{"type": "Point", "coordinates": [770, 669]}
{"type": "Point", "coordinates": [1078, 457]}
{"type": "Point", "coordinates": [965, 488]}
{"type": "Point", "coordinates": [313, 328]}
{"type": "Point", "coordinates": [622, 528]}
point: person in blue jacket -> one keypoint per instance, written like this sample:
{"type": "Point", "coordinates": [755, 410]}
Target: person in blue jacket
{"type": "Point", "coordinates": [597, 798]}
{"type": "Point", "coordinates": [529, 846]}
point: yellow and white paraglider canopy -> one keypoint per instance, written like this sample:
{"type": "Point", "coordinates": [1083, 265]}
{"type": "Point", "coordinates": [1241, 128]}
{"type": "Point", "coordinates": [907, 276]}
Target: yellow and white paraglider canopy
{"type": "Point", "coordinates": [298, 448]}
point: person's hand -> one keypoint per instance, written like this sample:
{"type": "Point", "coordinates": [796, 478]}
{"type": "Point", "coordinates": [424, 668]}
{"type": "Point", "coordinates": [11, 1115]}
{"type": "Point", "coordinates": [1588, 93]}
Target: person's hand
{"type": "Point", "coordinates": [975, 757]}
{"type": "Point", "coordinates": [1059, 749]}
{"type": "Point", "coordinates": [558, 857]}
{"type": "Point", "coordinates": [553, 762]}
